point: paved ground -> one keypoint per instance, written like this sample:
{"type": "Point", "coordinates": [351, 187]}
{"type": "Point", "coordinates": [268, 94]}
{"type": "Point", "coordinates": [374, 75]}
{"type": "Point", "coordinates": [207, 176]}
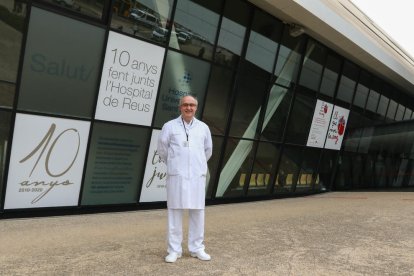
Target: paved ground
{"type": "Point", "coordinates": [347, 233]}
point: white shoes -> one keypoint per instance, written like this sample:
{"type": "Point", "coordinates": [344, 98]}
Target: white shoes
{"type": "Point", "coordinates": [201, 255]}
{"type": "Point", "coordinates": [172, 257]}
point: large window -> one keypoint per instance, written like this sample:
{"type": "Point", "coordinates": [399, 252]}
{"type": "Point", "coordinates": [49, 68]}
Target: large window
{"type": "Point", "coordinates": [330, 76]}
{"type": "Point", "coordinates": [383, 105]}
{"type": "Point", "coordinates": [235, 172]}
{"type": "Point", "coordinates": [61, 65]}
{"type": "Point", "coordinates": [289, 168]}
{"type": "Point", "coordinates": [343, 171]}
{"type": "Point", "coordinates": [407, 114]}
{"type": "Point", "coordinates": [373, 99]}
{"type": "Point", "coordinates": [213, 165]}
{"type": "Point", "coordinates": [392, 109]}
{"type": "Point", "coordinates": [347, 83]}
{"type": "Point", "coordinates": [218, 99]}
{"type": "Point", "coordinates": [312, 65]}
{"type": "Point", "coordinates": [362, 90]}
{"type": "Point", "coordinates": [264, 41]}
{"type": "Point", "coordinates": [232, 32]}
{"type": "Point", "coordinates": [251, 89]}
{"type": "Point", "coordinates": [195, 27]}
{"type": "Point", "coordinates": [400, 113]}
{"type": "Point", "coordinates": [264, 166]}
{"type": "Point", "coordinates": [148, 19]}
{"type": "Point", "coordinates": [300, 118]}
{"type": "Point", "coordinates": [308, 178]}
{"type": "Point", "coordinates": [277, 111]}
{"type": "Point", "coordinates": [326, 170]}
{"type": "Point", "coordinates": [288, 59]}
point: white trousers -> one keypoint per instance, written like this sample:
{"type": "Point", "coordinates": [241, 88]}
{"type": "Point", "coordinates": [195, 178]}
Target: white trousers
{"type": "Point", "coordinates": [195, 230]}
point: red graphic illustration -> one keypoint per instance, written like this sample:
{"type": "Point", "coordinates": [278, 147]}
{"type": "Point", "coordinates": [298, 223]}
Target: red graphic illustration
{"type": "Point", "coordinates": [341, 126]}
{"type": "Point", "coordinates": [325, 108]}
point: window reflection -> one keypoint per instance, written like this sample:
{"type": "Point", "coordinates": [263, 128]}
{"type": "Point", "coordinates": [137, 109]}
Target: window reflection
{"type": "Point", "coordinates": [347, 83]}
{"type": "Point", "coordinates": [362, 90]}
{"type": "Point", "coordinates": [383, 105]}
{"type": "Point", "coordinates": [356, 123]}
{"type": "Point", "coordinates": [372, 102]}
{"type": "Point", "coordinates": [235, 173]}
{"type": "Point", "coordinates": [218, 99]}
{"type": "Point", "coordinates": [408, 113]}
{"type": "Point", "coordinates": [392, 109]}
{"type": "Point", "coordinates": [52, 60]}
{"type": "Point", "coordinates": [289, 167]}
{"type": "Point", "coordinates": [300, 119]}
{"type": "Point", "coordinates": [288, 60]}
{"type": "Point", "coordinates": [263, 167]}
{"type": "Point", "coordinates": [326, 170]}
{"type": "Point", "coordinates": [148, 19]}
{"type": "Point", "coordinates": [7, 90]}
{"type": "Point", "coordinates": [312, 65]}
{"type": "Point", "coordinates": [374, 95]}
{"type": "Point", "coordinates": [343, 171]}
{"type": "Point", "coordinates": [276, 113]}
{"type": "Point", "coordinates": [85, 7]}
{"type": "Point", "coordinates": [232, 32]}
{"type": "Point", "coordinates": [298, 170]}
{"type": "Point", "coordinates": [250, 92]}
{"type": "Point", "coordinates": [213, 165]}
{"type": "Point", "coordinates": [12, 16]}
{"type": "Point", "coordinates": [195, 27]}
{"type": "Point", "coordinates": [264, 41]}
{"type": "Point", "coordinates": [381, 158]}
{"type": "Point", "coordinates": [400, 112]}
{"type": "Point", "coordinates": [308, 177]}
{"type": "Point", "coordinates": [330, 76]}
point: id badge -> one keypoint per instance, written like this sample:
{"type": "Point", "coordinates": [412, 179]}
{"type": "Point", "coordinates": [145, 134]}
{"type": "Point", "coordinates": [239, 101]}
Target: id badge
{"type": "Point", "coordinates": [185, 144]}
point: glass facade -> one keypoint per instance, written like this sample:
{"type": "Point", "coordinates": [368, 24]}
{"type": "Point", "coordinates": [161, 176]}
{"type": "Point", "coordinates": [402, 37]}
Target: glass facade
{"type": "Point", "coordinates": [58, 78]}
{"type": "Point", "coordinates": [85, 88]}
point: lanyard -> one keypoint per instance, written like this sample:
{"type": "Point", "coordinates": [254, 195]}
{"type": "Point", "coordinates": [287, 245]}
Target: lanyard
{"type": "Point", "coordinates": [185, 129]}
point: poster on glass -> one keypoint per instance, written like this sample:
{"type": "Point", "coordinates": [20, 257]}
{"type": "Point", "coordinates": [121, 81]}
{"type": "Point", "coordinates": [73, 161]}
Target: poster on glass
{"type": "Point", "coordinates": [46, 162]}
{"type": "Point", "coordinates": [337, 128]}
{"type": "Point", "coordinates": [320, 124]}
{"type": "Point", "coordinates": [129, 81]}
{"type": "Point", "coordinates": [154, 184]}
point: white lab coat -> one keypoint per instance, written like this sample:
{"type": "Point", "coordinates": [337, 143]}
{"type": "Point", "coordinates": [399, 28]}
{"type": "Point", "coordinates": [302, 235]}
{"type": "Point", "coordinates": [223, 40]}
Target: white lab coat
{"type": "Point", "coordinates": [186, 165]}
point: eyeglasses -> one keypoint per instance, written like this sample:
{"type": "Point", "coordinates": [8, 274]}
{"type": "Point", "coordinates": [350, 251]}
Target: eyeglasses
{"type": "Point", "coordinates": [188, 105]}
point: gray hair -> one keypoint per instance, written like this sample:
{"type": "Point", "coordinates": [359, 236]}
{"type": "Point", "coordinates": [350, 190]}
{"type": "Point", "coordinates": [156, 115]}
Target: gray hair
{"type": "Point", "coordinates": [188, 95]}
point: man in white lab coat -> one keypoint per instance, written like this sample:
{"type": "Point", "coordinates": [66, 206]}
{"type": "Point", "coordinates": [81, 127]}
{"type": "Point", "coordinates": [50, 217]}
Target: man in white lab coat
{"type": "Point", "coordinates": [185, 145]}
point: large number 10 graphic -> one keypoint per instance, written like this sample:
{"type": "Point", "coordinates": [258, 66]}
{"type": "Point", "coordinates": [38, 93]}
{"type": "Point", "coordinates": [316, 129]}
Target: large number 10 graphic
{"type": "Point", "coordinates": [45, 143]}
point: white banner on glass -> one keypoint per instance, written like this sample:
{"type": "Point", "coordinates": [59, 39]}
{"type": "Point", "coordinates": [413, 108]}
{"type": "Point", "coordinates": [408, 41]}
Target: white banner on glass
{"type": "Point", "coordinates": [130, 79]}
{"type": "Point", "coordinates": [154, 184]}
{"type": "Point", "coordinates": [337, 128]}
{"type": "Point", "coordinates": [46, 162]}
{"type": "Point", "coordinates": [320, 124]}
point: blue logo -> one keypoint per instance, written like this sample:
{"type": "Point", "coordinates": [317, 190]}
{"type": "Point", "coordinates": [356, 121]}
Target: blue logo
{"type": "Point", "coordinates": [186, 78]}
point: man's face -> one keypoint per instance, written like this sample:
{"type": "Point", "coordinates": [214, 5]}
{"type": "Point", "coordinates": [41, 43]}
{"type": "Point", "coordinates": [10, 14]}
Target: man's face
{"type": "Point", "coordinates": [188, 108]}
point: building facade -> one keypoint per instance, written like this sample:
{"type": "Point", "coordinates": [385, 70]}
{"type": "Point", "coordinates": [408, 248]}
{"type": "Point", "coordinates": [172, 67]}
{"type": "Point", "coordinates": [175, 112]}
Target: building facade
{"type": "Point", "coordinates": [301, 97]}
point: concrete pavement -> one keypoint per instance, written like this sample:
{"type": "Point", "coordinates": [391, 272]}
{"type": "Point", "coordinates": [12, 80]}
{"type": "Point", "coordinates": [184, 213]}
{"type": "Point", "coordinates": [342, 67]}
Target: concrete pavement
{"type": "Point", "coordinates": [339, 233]}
